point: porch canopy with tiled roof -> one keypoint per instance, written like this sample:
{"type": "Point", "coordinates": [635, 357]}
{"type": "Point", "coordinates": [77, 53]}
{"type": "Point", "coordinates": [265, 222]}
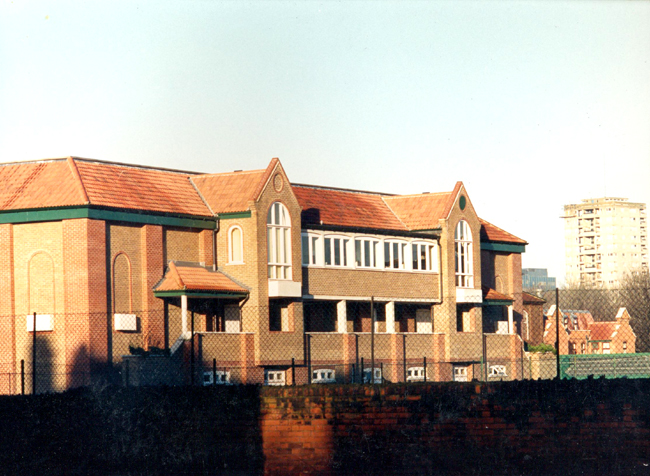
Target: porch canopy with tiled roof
{"type": "Point", "coordinates": [189, 280]}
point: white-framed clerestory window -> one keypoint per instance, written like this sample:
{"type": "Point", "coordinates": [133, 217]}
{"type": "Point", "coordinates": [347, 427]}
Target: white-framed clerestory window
{"type": "Point", "coordinates": [464, 255]}
{"type": "Point", "coordinates": [278, 225]}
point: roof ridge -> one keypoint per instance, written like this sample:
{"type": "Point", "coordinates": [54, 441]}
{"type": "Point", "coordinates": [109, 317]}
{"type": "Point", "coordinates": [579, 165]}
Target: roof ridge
{"type": "Point", "coordinates": [411, 195]}
{"type": "Point", "coordinates": [237, 172]}
{"type": "Point", "coordinates": [201, 195]}
{"type": "Point", "coordinates": [383, 199]}
{"type": "Point", "coordinates": [177, 277]}
{"type": "Point", "coordinates": [337, 189]}
{"type": "Point", "coordinates": [265, 178]}
{"type": "Point", "coordinates": [75, 173]}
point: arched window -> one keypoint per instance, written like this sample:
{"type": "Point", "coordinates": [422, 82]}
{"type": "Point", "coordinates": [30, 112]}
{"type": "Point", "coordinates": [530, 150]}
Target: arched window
{"type": "Point", "coordinates": [464, 261]}
{"type": "Point", "coordinates": [235, 245]}
{"type": "Point", "coordinates": [278, 225]}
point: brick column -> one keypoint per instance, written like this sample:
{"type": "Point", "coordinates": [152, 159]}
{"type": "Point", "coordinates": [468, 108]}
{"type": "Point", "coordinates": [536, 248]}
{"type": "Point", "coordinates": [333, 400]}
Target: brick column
{"type": "Point", "coordinates": [84, 265]}
{"type": "Point", "coordinates": [7, 310]}
{"type": "Point", "coordinates": [390, 317]}
{"type": "Point", "coordinates": [153, 315]}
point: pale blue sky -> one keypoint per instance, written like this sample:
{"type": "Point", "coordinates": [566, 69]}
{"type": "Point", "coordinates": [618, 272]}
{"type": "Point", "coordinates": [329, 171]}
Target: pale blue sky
{"type": "Point", "coordinates": [531, 104]}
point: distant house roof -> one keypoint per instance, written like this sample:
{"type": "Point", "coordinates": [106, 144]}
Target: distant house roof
{"type": "Point", "coordinates": [179, 277]}
{"type": "Point", "coordinates": [602, 330]}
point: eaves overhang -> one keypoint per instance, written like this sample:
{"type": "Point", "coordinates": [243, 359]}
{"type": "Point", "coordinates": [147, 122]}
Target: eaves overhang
{"type": "Point", "coordinates": [107, 214]}
{"type": "Point", "coordinates": [504, 247]}
{"type": "Point", "coordinates": [200, 294]}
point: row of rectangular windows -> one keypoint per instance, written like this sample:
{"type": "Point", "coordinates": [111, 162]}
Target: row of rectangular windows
{"type": "Point", "coordinates": [365, 252]}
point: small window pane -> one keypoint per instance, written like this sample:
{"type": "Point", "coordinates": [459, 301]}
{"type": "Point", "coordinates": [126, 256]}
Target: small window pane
{"type": "Point", "coordinates": [328, 251]}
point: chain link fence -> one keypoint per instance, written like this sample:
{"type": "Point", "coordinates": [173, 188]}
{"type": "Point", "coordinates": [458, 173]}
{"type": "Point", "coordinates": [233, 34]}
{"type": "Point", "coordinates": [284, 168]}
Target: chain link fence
{"type": "Point", "coordinates": [567, 333]}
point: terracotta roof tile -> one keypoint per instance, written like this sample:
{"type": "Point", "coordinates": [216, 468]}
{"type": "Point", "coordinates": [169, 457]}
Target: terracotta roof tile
{"type": "Point", "coordinates": [229, 192]}
{"type": "Point", "coordinates": [530, 299]}
{"type": "Point", "coordinates": [345, 208]}
{"type": "Point", "coordinates": [195, 278]}
{"type": "Point", "coordinates": [490, 232]}
{"type": "Point", "coordinates": [422, 211]}
{"type": "Point", "coordinates": [119, 186]}
{"type": "Point", "coordinates": [490, 294]}
{"type": "Point", "coordinates": [42, 184]}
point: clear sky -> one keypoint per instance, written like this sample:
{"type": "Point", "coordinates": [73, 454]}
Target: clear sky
{"type": "Point", "coordinates": [532, 105]}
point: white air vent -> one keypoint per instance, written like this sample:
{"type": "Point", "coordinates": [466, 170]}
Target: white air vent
{"type": "Point", "coordinates": [323, 376]}
{"type": "Point", "coordinates": [43, 322]}
{"type": "Point", "coordinates": [125, 322]}
{"type": "Point", "coordinates": [223, 377]}
{"type": "Point", "coordinates": [275, 377]}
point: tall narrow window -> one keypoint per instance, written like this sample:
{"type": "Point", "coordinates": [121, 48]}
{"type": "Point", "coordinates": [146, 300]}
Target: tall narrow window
{"type": "Point", "coordinates": [464, 261]}
{"type": "Point", "coordinates": [278, 225]}
{"type": "Point", "coordinates": [235, 245]}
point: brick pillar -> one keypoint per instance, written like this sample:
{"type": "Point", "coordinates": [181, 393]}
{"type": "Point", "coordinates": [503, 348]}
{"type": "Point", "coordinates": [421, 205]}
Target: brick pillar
{"type": "Point", "coordinates": [84, 265]}
{"type": "Point", "coordinates": [205, 247]}
{"type": "Point", "coordinates": [390, 317]}
{"type": "Point", "coordinates": [153, 315]}
{"type": "Point", "coordinates": [7, 310]}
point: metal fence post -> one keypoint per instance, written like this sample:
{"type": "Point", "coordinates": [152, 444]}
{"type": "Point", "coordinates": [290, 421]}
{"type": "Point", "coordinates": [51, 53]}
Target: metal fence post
{"type": "Point", "coordinates": [192, 370]}
{"type": "Point", "coordinates": [22, 376]}
{"type": "Point", "coordinates": [34, 356]}
{"type": "Point", "coordinates": [425, 369]}
{"type": "Point", "coordinates": [372, 340]}
{"type": "Point", "coordinates": [557, 333]}
{"type": "Point", "coordinates": [356, 350]}
{"type": "Point", "coordinates": [308, 358]}
{"type": "Point", "coordinates": [293, 372]}
{"type": "Point", "coordinates": [214, 372]}
{"type": "Point", "coordinates": [404, 354]}
{"type": "Point", "coordinates": [361, 371]}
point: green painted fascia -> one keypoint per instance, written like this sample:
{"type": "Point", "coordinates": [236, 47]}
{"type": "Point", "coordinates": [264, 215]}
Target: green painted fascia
{"type": "Point", "coordinates": [497, 303]}
{"type": "Point", "coordinates": [197, 294]}
{"type": "Point", "coordinates": [507, 247]}
{"type": "Point", "coordinates": [232, 216]}
{"type": "Point", "coordinates": [69, 213]}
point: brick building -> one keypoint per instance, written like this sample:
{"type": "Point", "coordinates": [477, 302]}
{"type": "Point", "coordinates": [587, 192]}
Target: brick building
{"type": "Point", "coordinates": [254, 271]}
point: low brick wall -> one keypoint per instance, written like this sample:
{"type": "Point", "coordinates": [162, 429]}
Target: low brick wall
{"type": "Point", "coordinates": [535, 427]}
{"type": "Point", "coordinates": [509, 428]}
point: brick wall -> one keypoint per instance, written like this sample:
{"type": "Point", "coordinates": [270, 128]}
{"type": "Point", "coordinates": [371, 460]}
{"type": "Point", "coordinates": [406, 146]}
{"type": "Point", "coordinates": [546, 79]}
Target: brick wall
{"type": "Point", "coordinates": [525, 427]}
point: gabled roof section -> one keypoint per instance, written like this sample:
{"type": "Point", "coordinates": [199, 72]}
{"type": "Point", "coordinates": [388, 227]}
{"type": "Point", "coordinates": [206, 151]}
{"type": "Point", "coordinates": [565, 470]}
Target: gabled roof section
{"type": "Point", "coordinates": [422, 211]}
{"type": "Point", "coordinates": [231, 192]}
{"type": "Point", "coordinates": [345, 208]}
{"type": "Point", "coordinates": [493, 233]}
{"type": "Point", "coordinates": [530, 299]}
{"type": "Point", "coordinates": [196, 278]}
{"type": "Point", "coordinates": [136, 188]}
{"type": "Point", "coordinates": [77, 182]}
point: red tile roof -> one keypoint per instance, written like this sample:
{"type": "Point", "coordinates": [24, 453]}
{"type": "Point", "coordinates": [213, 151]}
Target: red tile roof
{"type": "Point", "coordinates": [230, 192]}
{"type": "Point", "coordinates": [530, 299]}
{"type": "Point", "coordinates": [39, 185]}
{"type": "Point", "coordinates": [422, 211]}
{"type": "Point", "coordinates": [73, 181]}
{"type": "Point", "coordinates": [345, 208]}
{"type": "Point", "coordinates": [194, 278]}
{"type": "Point", "coordinates": [490, 232]}
{"type": "Point", "coordinates": [490, 294]}
{"type": "Point", "coordinates": [134, 188]}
